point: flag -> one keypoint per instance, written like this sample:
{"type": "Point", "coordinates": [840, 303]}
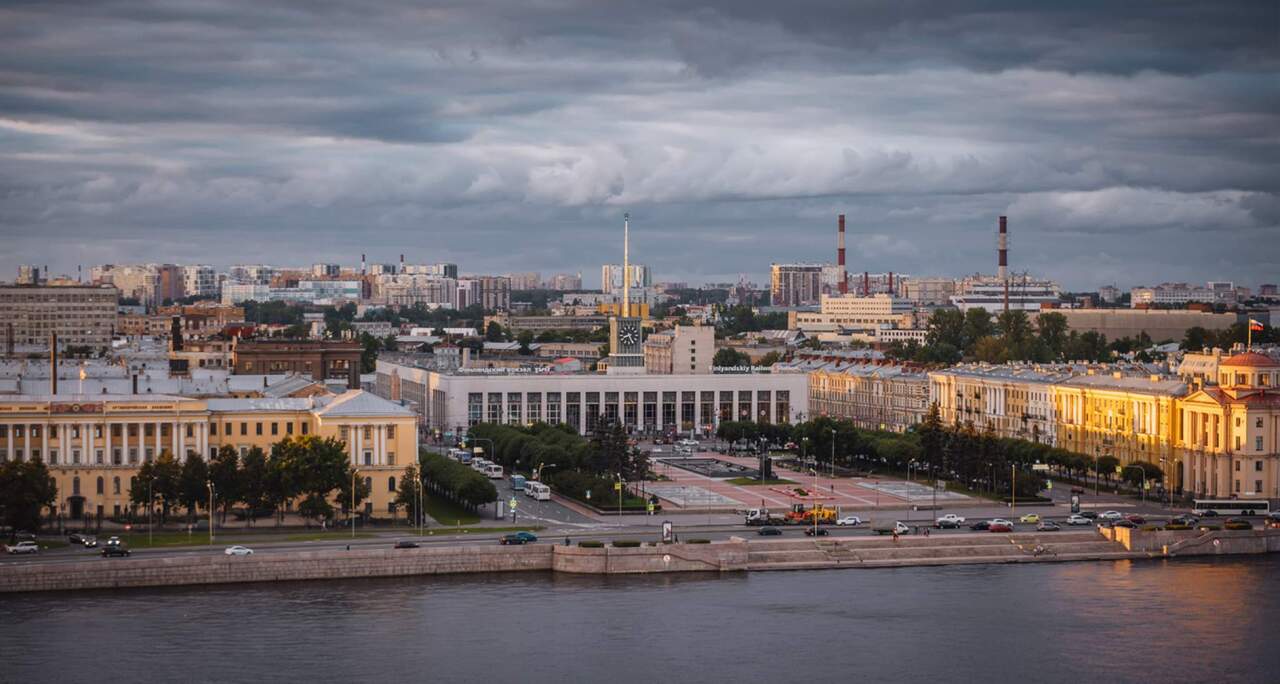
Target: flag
{"type": "Point", "coordinates": [1255, 326]}
{"type": "Point", "coordinates": [83, 373]}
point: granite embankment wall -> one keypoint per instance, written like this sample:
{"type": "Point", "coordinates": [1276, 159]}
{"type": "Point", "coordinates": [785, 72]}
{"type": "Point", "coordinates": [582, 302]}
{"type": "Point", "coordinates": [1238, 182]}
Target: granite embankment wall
{"type": "Point", "coordinates": [1196, 542]}
{"type": "Point", "coordinates": [721, 556]}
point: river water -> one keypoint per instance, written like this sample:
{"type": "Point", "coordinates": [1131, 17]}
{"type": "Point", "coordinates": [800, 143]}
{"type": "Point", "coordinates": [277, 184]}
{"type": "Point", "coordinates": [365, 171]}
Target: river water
{"type": "Point", "coordinates": [1204, 620]}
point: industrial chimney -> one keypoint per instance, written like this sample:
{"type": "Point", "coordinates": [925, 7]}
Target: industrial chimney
{"type": "Point", "coordinates": [844, 278]}
{"type": "Point", "coordinates": [890, 283]}
{"type": "Point", "coordinates": [53, 364]}
{"type": "Point", "coordinates": [866, 283]}
{"type": "Point", "coordinates": [362, 271]}
{"type": "Point", "coordinates": [1002, 247]}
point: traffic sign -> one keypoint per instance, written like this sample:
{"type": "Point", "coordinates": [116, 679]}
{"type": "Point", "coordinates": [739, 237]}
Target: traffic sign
{"type": "Point", "coordinates": [513, 503]}
{"type": "Point", "coordinates": [1048, 485]}
{"type": "Point", "coordinates": [1040, 466]}
{"type": "Point", "coordinates": [617, 486]}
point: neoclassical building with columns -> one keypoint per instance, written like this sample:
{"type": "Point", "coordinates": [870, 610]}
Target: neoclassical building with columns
{"type": "Point", "coordinates": [95, 444]}
{"type": "Point", "coordinates": [1231, 433]}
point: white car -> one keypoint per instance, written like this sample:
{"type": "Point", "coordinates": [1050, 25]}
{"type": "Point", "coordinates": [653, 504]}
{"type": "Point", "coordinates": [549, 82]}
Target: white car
{"type": "Point", "coordinates": [1110, 515]}
{"type": "Point", "coordinates": [238, 551]}
{"type": "Point", "coordinates": [23, 547]}
{"type": "Point", "coordinates": [849, 520]}
{"type": "Point", "coordinates": [1077, 519]}
{"type": "Point", "coordinates": [949, 520]}
{"type": "Point", "coordinates": [1000, 521]}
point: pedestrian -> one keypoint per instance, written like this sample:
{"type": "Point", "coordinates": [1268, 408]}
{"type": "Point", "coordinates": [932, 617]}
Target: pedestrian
{"type": "Point", "coordinates": [348, 547]}
{"type": "Point", "coordinates": [926, 531]}
{"type": "Point", "coordinates": [895, 536]}
{"type": "Point", "coordinates": [566, 541]}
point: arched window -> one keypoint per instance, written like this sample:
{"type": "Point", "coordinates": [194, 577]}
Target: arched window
{"type": "Point", "coordinates": [115, 485]}
{"type": "Point", "coordinates": [101, 485]}
{"type": "Point", "coordinates": [75, 486]}
{"type": "Point", "coordinates": [391, 483]}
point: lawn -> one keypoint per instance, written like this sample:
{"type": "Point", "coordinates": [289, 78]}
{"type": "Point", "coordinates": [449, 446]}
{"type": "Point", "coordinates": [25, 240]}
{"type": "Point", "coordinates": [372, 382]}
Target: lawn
{"type": "Point", "coordinates": [747, 482]}
{"type": "Point", "coordinates": [441, 531]}
{"type": "Point", "coordinates": [447, 512]}
{"type": "Point", "coordinates": [227, 538]}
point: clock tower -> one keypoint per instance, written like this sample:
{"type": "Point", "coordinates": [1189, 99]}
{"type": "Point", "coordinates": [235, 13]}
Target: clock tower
{"type": "Point", "coordinates": [626, 350]}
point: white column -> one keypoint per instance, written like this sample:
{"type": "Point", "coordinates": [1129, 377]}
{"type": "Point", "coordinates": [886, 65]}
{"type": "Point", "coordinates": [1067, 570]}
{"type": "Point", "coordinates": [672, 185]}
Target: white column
{"type": "Point", "coordinates": [173, 441]}
{"type": "Point", "coordinates": [8, 433]}
{"type": "Point", "coordinates": [44, 442]}
{"type": "Point", "coordinates": [382, 445]}
{"type": "Point", "coordinates": [359, 440]}
{"type": "Point", "coordinates": [124, 442]}
{"type": "Point", "coordinates": [106, 441]}
{"type": "Point", "coordinates": [203, 432]}
{"type": "Point", "coordinates": [181, 429]}
{"type": "Point", "coordinates": [351, 442]}
{"type": "Point", "coordinates": [86, 442]}
{"type": "Point", "coordinates": [156, 427]}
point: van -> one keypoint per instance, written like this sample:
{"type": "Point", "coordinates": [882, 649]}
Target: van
{"type": "Point", "coordinates": [479, 464]}
{"type": "Point", "coordinates": [537, 491]}
{"type": "Point", "coordinates": [517, 483]}
{"type": "Point", "coordinates": [493, 471]}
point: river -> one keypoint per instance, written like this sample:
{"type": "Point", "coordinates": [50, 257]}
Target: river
{"type": "Point", "coordinates": [1201, 620]}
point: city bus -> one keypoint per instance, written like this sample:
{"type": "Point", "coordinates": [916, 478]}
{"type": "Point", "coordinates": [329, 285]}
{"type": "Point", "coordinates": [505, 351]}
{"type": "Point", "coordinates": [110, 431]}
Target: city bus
{"type": "Point", "coordinates": [1231, 506]}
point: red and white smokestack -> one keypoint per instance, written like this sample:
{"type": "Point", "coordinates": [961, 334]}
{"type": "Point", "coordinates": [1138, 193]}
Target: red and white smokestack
{"type": "Point", "coordinates": [844, 278]}
{"type": "Point", "coordinates": [1002, 245]}
{"type": "Point", "coordinates": [866, 283]}
{"type": "Point", "coordinates": [890, 283]}
{"type": "Point", "coordinates": [362, 271]}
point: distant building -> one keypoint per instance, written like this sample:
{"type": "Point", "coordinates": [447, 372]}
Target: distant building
{"type": "Point", "coordinates": [989, 292]}
{"type": "Point", "coordinates": [565, 281]}
{"type": "Point", "coordinates": [200, 280]}
{"type": "Point", "coordinates": [80, 315]}
{"type": "Point", "coordinates": [525, 281]}
{"type": "Point", "coordinates": [875, 396]}
{"type": "Point", "coordinates": [150, 284]}
{"type": "Point", "coordinates": [1159, 324]}
{"type": "Point", "coordinates": [795, 284]}
{"type": "Point", "coordinates": [319, 359]}
{"type": "Point", "coordinates": [1109, 294]}
{"type": "Point", "coordinates": [30, 275]}
{"type": "Point", "coordinates": [322, 292]}
{"type": "Point", "coordinates": [326, 270]}
{"type": "Point", "coordinates": [493, 293]}
{"type": "Point", "coordinates": [682, 350]}
{"type": "Point", "coordinates": [929, 291]}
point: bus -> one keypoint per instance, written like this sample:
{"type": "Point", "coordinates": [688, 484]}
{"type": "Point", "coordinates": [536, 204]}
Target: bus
{"type": "Point", "coordinates": [517, 483]}
{"type": "Point", "coordinates": [1231, 506]}
{"type": "Point", "coordinates": [537, 491]}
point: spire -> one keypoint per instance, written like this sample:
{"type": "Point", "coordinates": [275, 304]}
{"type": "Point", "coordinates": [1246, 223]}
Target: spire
{"type": "Point", "coordinates": [626, 265]}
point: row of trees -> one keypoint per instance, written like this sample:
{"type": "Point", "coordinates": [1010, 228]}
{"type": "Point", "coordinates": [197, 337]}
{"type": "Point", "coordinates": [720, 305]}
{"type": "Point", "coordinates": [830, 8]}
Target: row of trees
{"type": "Point", "coordinates": [306, 467]}
{"type": "Point", "coordinates": [26, 489]}
{"type": "Point", "coordinates": [1012, 336]}
{"type": "Point", "coordinates": [1198, 338]}
{"type": "Point", "coordinates": [448, 478]}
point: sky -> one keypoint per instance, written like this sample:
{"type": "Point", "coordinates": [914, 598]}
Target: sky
{"type": "Point", "coordinates": [1129, 143]}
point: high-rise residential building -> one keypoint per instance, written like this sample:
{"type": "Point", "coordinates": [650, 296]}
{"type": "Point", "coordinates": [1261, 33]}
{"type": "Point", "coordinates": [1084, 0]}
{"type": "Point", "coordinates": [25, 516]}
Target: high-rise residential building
{"type": "Point", "coordinates": [490, 292]}
{"type": "Point", "coordinates": [442, 270]}
{"type": "Point", "coordinates": [414, 290]}
{"type": "Point", "coordinates": [200, 280]}
{"type": "Point", "coordinates": [83, 315]}
{"type": "Point", "coordinates": [30, 275]}
{"type": "Point", "coordinates": [611, 278]}
{"type": "Point", "coordinates": [326, 270]}
{"type": "Point", "coordinates": [565, 281]}
{"type": "Point", "coordinates": [683, 350]}
{"type": "Point", "coordinates": [260, 274]}
{"type": "Point", "coordinates": [525, 281]}
{"type": "Point", "coordinates": [150, 284]}
{"type": "Point", "coordinates": [795, 284]}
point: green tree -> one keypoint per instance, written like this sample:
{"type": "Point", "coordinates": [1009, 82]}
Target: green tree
{"type": "Point", "coordinates": [369, 356]}
{"type": "Point", "coordinates": [164, 474]}
{"type": "Point", "coordinates": [1052, 330]}
{"type": "Point", "coordinates": [25, 490]}
{"type": "Point", "coordinates": [1196, 338]}
{"type": "Point", "coordinates": [193, 484]}
{"type": "Point", "coordinates": [769, 359]}
{"type": "Point", "coordinates": [315, 467]}
{"type": "Point", "coordinates": [990, 349]}
{"type": "Point", "coordinates": [254, 477]}
{"type": "Point", "coordinates": [933, 436]}
{"type": "Point", "coordinates": [525, 338]}
{"type": "Point", "coordinates": [407, 494]}
{"type": "Point", "coordinates": [977, 325]}
{"type": "Point", "coordinates": [495, 333]}
{"type": "Point", "coordinates": [730, 357]}
{"type": "Point", "coordinates": [224, 471]}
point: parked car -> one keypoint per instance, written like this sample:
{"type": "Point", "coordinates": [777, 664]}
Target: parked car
{"type": "Point", "coordinates": [1047, 526]}
{"type": "Point", "coordinates": [980, 525]}
{"type": "Point", "coordinates": [1077, 519]}
{"type": "Point", "coordinates": [406, 544]}
{"type": "Point", "coordinates": [851, 520]}
{"type": "Point", "coordinates": [811, 531]}
{"type": "Point", "coordinates": [116, 549]}
{"type": "Point", "coordinates": [1237, 524]}
{"type": "Point", "coordinates": [75, 538]}
{"type": "Point", "coordinates": [1002, 526]}
{"type": "Point", "coordinates": [518, 538]}
{"type": "Point", "coordinates": [1030, 518]}
{"type": "Point", "coordinates": [769, 532]}
{"type": "Point", "coordinates": [1184, 519]}
{"type": "Point", "coordinates": [1136, 519]}
{"type": "Point", "coordinates": [950, 520]}
{"type": "Point", "coordinates": [22, 547]}
{"type": "Point", "coordinates": [1123, 523]}
{"type": "Point", "coordinates": [1110, 515]}
{"type": "Point", "coordinates": [238, 550]}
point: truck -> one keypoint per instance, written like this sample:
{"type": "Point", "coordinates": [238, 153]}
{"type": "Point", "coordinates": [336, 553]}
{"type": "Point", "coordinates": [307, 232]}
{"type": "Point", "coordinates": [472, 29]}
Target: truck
{"type": "Point", "coordinates": [757, 517]}
{"type": "Point", "coordinates": [799, 515]}
{"type": "Point", "coordinates": [950, 520]}
{"type": "Point", "coordinates": [887, 527]}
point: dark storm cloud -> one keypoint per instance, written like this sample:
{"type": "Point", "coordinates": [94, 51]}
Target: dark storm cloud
{"type": "Point", "coordinates": [1128, 142]}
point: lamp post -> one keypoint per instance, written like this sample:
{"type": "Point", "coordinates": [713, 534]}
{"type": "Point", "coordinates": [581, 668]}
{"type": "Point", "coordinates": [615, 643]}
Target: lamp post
{"type": "Point", "coordinates": [209, 483]}
{"type": "Point", "coordinates": [814, 470]}
{"type": "Point", "coordinates": [619, 488]}
{"type": "Point", "coordinates": [1013, 490]}
{"type": "Point", "coordinates": [1097, 473]}
{"type": "Point", "coordinates": [353, 502]}
{"type": "Point", "coordinates": [540, 467]}
{"type": "Point", "coordinates": [151, 507]}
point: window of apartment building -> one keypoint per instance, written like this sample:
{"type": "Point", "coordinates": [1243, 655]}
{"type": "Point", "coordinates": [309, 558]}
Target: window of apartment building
{"type": "Point", "coordinates": [1237, 486]}
{"type": "Point", "coordinates": [305, 428]}
{"type": "Point", "coordinates": [1257, 423]}
{"type": "Point", "coordinates": [391, 432]}
{"type": "Point", "coordinates": [1237, 466]}
{"type": "Point", "coordinates": [244, 429]}
{"type": "Point", "coordinates": [97, 456]}
{"type": "Point", "coordinates": [344, 433]}
{"type": "Point", "coordinates": [53, 456]}
{"type": "Point", "coordinates": [1257, 466]}
{"type": "Point", "coordinates": [257, 428]}
{"type": "Point", "coordinates": [1238, 442]}
{"type": "Point", "coordinates": [1257, 443]}
{"type": "Point", "coordinates": [115, 485]}
{"type": "Point", "coordinates": [275, 428]}
{"type": "Point", "coordinates": [288, 428]}
{"type": "Point", "coordinates": [366, 433]}
{"type": "Point", "coordinates": [213, 429]}
{"type": "Point", "coordinates": [391, 483]}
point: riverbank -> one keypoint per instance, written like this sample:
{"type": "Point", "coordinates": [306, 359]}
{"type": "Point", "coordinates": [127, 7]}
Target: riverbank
{"type": "Point", "coordinates": [735, 555]}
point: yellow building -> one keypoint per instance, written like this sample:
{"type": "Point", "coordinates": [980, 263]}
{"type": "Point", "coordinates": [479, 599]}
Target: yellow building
{"type": "Point", "coordinates": [1230, 434]}
{"type": "Point", "coordinates": [95, 444]}
{"type": "Point", "coordinates": [1130, 418]}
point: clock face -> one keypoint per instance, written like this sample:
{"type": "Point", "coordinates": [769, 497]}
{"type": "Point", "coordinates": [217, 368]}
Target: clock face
{"type": "Point", "coordinates": [629, 335]}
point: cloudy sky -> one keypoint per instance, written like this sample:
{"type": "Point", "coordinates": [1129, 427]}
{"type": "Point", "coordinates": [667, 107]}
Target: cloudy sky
{"type": "Point", "coordinates": [1128, 142]}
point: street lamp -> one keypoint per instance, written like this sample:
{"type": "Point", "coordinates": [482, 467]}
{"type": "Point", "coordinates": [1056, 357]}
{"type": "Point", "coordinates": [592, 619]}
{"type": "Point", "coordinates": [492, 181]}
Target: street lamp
{"type": "Point", "coordinates": [209, 484]}
{"type": "Point", "coordinates": [619, 489]}
{"type": "Point", "coordinates": [540, 467]}
{"type": "Point", "coordinates": [833, 452]}
{"type": "Point", "coordinates": [814, 511]}
{"type": "Point", "coordinates": [353, 501]}
{"type": "Point", "coordinates": [151, 507]}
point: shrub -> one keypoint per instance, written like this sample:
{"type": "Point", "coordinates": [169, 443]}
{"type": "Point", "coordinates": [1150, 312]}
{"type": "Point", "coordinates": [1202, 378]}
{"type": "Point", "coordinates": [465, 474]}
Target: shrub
{"type": "Point", "coordinates": [1150, 528]}
{"type": "Point", "coordinates": [591, 544]}
{"type": "Point", "coordinates": [1209, 528]}
{"type": "Point", "coordinates": [1238, 526]}
{"type": "Point", "coordinates": [626, 543]}
{"type": "Point", "coordinates": [697, 541]}
{"type": "Point", "coordinates": [1177, 526]}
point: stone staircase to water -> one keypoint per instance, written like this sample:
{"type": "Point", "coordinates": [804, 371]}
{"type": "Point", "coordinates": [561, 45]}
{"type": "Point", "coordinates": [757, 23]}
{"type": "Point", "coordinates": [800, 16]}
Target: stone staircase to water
{"type": "Point", "coordinates": [949, 549]}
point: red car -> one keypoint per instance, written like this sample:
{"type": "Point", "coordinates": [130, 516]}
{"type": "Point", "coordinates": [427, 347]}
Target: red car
{"type": "Point", "coordinates": [1136, 519]}
{"type": "Point", "coordinates": [1000, 527]}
